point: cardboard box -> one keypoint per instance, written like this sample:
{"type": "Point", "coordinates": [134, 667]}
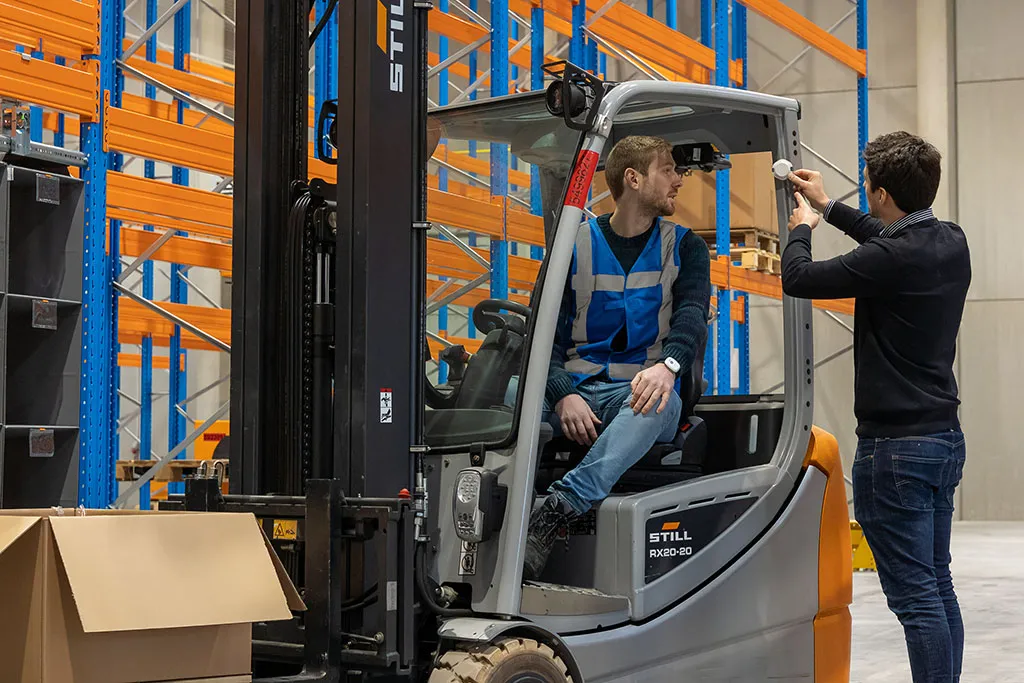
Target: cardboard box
{"type": "Point", "coordinates": [751, 189]}
{"type": "Point", "coordinates": [134, 597]}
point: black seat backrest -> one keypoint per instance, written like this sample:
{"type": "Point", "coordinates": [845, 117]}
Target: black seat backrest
{"type": "Point", "coordinates": [692, 385]}
{"type": "Point", "coordinates": [491, 368]}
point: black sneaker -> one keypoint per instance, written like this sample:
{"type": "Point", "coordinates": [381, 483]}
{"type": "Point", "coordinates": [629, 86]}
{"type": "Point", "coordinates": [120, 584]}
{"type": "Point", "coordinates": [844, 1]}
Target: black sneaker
{"type": "Point", "coordinates": [546, 522]}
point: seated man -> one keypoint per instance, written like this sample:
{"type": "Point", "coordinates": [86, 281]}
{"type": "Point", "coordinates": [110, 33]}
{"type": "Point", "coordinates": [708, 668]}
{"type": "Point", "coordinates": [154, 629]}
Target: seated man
{"type": "Point", "coordinates": [634, 311]}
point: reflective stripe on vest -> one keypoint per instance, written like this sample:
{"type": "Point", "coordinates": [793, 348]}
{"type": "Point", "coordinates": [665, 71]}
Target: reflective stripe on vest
{"type": "Point", "coordinates": [607, 300]}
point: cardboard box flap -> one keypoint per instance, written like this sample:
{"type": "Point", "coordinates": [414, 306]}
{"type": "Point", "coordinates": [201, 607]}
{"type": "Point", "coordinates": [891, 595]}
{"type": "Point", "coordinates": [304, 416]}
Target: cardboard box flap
{"type": "Point", "coordinates": [291, 593]}
{"type": "Point", "coordinates": [202, 570]}
{"type": "Point", "coordinates": [13, 528]}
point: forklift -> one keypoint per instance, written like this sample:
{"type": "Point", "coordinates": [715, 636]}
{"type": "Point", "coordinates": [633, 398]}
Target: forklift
{"type": "Point", "coordinates": [400, 508]}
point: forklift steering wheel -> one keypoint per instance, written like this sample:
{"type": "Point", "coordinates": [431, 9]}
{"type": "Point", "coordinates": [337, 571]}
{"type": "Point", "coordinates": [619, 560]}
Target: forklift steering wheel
{"type": "Point", "coordinates": [487, 316]}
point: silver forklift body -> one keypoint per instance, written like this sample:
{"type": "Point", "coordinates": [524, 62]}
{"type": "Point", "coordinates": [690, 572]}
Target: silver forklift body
{"type": "Point", "coordinates": [733, 573]}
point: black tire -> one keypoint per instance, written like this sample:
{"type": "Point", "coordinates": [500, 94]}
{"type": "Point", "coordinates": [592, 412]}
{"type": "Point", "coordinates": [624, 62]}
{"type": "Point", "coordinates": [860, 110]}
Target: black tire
{"type": "Point", "coordinates": [507, 660]}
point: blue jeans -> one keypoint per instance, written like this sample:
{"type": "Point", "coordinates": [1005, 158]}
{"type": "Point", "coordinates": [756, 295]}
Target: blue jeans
{"type": "Point", "coordinates": [623, 438]}
{"type": "Point", "coordinates": [903, 498]}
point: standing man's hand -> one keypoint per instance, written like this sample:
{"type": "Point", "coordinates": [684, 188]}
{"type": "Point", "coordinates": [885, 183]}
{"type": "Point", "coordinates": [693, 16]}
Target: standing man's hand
{"type": "Point", "coordinates": [803, 214]}
{"type": "Point", "coordinates": [811, 186]}
{"type": "Point", "coordinates": [650, 386]}
{"type": "Point", "coordinates": [578, 421]}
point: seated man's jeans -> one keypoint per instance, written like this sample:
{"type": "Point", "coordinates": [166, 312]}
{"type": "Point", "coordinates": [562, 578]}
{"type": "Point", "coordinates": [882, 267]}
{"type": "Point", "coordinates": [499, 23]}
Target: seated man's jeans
{"type": "Point", "coordinates": [623, 439]}
{"type": "Point", "coordinates": [903, 498]}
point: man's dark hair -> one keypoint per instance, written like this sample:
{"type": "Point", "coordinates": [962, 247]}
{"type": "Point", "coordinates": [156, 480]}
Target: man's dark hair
{"type": "Point", "coordinates": [636, 152]}
{"type": "Point", "coordinates": [908, 167]}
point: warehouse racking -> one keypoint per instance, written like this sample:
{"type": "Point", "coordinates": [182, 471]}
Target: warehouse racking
{"type": "Point", "coordinates": [75, 75]}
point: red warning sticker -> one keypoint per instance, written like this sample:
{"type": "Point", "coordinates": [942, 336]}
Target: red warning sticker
{"type": "Point", "coordinates": [582, 176]}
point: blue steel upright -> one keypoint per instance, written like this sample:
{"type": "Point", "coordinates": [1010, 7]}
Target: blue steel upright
{"type": "Point", "coordinates": [325, 84]}
{"type": "Point", "coordinates": [442, 173]}
{"type": "Point", "coordinates": [707, 17]}
{"type": "Point", "coordinates": [536, 83]}
{"type": "Point", "coordinates": [741, 330]}
{"type": "Point", "coordinates": [177, 385]}
{"type": "Point", "coordinates": [722, 218]}
{"type": "Point", "coordinates": [146, 366]}
{"type": "Point", "coordinates": [862, 100]}
{"type": "Point", "coordinates": [97, 418]}
{"type": "Point", "coordinates": [499, 152]}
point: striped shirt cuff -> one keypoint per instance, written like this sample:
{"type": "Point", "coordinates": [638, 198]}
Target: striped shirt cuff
{"type": "Point", "coordinates": [828, 209]}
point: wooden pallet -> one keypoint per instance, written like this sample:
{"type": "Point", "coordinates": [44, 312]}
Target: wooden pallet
{"type": "Point", "coordinates": [175, 470]}
{"type": "Point", "coordinates": [747, 238]}
{"type": "Point", "coordinates": [758, 259]}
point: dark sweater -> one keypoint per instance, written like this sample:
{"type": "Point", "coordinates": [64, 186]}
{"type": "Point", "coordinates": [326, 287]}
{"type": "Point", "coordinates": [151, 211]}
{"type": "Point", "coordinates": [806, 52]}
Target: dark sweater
{"type": "Point", "coordinates": [691, 297]}
{"type": "Point", "coordinates": [910, 286]}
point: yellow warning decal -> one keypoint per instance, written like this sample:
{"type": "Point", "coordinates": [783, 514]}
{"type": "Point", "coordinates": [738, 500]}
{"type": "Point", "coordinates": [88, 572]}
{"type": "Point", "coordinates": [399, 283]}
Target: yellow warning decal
{"type": "Point", "coordinates": [382, 27]}
{"type": "Point", "coordinates": [286, 529]}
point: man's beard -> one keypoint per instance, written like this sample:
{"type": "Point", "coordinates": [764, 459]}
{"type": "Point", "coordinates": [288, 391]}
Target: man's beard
{"type": "Point", "coordinates": [659, 207]}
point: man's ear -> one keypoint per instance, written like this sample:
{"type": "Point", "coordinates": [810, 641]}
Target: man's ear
{"type": "Point", "coordinates": [632, 178]}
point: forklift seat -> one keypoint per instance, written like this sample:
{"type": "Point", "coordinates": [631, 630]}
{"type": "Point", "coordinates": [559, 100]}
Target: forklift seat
{"type": "Point", "coordinates": [665, 463]}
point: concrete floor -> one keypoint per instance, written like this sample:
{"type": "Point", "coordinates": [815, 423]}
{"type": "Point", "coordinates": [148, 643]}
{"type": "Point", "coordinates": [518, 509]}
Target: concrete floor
{"type": "Point", "coordinates": [988, 575]}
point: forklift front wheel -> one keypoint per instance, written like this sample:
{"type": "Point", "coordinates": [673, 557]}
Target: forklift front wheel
{"type": "Point", "coordinates": [507, 660]}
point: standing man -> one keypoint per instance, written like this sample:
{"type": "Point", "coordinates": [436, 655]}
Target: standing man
{"type": "Point", "coordinates": [910, 277]}
{"type": "Point", "coordinates": [634, 312]}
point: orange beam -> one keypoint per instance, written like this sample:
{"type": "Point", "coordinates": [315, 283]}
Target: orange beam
{"type": "Point", "coordinates": [802, 27]}
{"type": "Point", "coordinates": [464, 189]}
{"type": "Point", "coordinates": [525, 227]}
{"type": "Point", "coordinates": [134, 317]}
{"type": "Point", "coordinates": [650, 30]}
{"type": "Point", "coordinates": [471, 345]}
{"type": "Point", "coordinates": [478, 165]}
{"type": "Point", "coordinates": [134, 360]}
{"type": "Point", "coordinates": [466, 32]}
{"type": "Point", "coordinates": [153, 138]}
{"type": "Point", "coordinates": [50, 85]}
{"type": "Point", "coordinates": [475, 296]}
{"type": "Point", "coordinates": [126, 336]}
{"type": "Point", "coordinates": [195, 85]}
{"type": "Point", "coordinates": [461, 212]}
{"type": "Point", "coordinates": [67, 29]}
{"type": "Point", "coordinates": [155, 199]}
{"type": "Point", "coordinates": [186, 250]}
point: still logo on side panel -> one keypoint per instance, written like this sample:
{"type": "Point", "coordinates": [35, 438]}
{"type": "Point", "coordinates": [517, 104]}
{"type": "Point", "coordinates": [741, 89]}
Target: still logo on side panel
{"type": "Point", "coordinates": [390, 37]}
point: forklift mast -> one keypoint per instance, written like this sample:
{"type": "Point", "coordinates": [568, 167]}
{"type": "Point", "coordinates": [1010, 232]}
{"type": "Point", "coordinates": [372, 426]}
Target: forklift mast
{"type": "Point", "coordinates": [379, 256]}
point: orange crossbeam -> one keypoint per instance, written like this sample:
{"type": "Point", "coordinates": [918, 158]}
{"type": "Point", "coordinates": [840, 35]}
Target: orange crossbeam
{"type": "Point", "coordinates": [665, 38]}
{"type": "Point", "coordinates": [462, 212]}
{"type": "Point", "coordinates": [153, 138]}
{"type": "Point", "coordinates": [802, 27]}
{"type": "Point", "coordinates": [472, 298]}
{"type": "Point", "coordinates": [134, 360]}
{"type": "Point", "coordinates": [193, 84]}
{"type": "Point", "coordinates": [525, 227]}
{"type": "Point", "coordinates": [466, 32]}
{"type": "Point", "coordinates": [185, 250]}
{"type": "Point", "coordinates": [195, 211]}
{"type": "Point", "coordinates": [459, 188]}
{"type": "Point", "coordinates": [192, 63]}
{"type": "Point", "coordinates": [478, 165]}
{"type": "Point", "coordinates": [67, 29]}
{"type": "Point", "coordinates": [136, 318]}
{"type": "Point", "coordinates": [447, 260]}
{"type": "Point", "coordinates": [126, 336]}
{"type": "Point", "coordinates": [50, 85]}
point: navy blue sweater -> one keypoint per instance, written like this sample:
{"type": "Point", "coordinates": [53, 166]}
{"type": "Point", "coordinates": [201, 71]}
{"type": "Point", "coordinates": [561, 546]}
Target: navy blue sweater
{"type": "Point", "coordinates": [910, 281]}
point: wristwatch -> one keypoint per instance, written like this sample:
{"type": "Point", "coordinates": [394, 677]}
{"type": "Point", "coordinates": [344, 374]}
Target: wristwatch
{"type": "Point", "coordinates": [672, 364]}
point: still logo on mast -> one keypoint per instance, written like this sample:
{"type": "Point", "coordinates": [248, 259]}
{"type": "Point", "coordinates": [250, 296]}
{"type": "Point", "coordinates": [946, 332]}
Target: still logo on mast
{"type": "Point", "coordinates": [390, 34]}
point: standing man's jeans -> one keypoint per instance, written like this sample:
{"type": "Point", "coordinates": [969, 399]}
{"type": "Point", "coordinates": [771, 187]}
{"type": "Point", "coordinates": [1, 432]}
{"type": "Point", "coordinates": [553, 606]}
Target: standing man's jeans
{"type": "Point", "coordinates": [903, 498]}
{"type": "Point", "coordinates": [623, 438]}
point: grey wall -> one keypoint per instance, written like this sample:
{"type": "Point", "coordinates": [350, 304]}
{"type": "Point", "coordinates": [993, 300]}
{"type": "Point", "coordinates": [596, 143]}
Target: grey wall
{"type": "Point", "coordinates": [989, 96]}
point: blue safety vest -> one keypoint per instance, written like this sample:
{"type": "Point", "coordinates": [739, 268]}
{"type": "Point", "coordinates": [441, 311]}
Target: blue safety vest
{"type": "Point", "coordinates": [608, 299]}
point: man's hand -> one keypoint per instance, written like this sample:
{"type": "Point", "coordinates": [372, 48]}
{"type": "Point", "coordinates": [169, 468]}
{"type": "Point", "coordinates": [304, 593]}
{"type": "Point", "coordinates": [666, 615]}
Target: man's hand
{"type": "Point", "coordinates": [578, 421]}
{"type": "Point", "coordinates": [803, 214]}
{"type": "Point", "coordinates": [811, 185]}
{"type": "Point", "coordinates": [650, 386]}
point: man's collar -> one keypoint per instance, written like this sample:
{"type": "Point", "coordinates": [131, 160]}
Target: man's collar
{"type": "Point", "coordinates": [894, 228]}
